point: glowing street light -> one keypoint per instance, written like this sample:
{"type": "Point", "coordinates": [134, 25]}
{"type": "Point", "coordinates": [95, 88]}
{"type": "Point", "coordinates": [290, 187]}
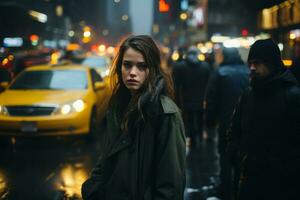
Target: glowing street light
{"type": "Point", "coordinates": [86, 34]}
{"type": "Point", "coordinates": [183, 16]}
{"type": "Point", "coordinates": [71, 33]}
{"type": "Point", "coordinates": [125, 17]}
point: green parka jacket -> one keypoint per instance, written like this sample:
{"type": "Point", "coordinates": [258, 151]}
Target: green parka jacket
{"type": "Point", "coordinates": [149, 166]}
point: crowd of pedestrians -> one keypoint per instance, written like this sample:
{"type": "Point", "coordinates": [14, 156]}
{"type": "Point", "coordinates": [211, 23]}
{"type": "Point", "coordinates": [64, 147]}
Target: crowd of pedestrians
{"type": "Point", "coordinates": [254, 107]}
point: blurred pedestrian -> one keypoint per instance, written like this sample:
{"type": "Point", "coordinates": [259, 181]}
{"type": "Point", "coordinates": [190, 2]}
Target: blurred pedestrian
{"type": "Point", "coordinates": [144, 153]}
{"type": "Point", "coordinates": [225, 86]}
{"type": "Point", "coordinates": [296, 62]}
{"type": "Point", "coordinates": [171, 61]}
{"type": "Point", "coordinates": [264, 137]}
{"type": "Point", "coordinates": [190, 78]}
{"type": "Point", "coordinates": [214, 59]}
{"type": "Point", "coordinates": [5, 78]}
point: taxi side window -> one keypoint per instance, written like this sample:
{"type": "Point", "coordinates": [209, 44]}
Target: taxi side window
{"type": "Point", "coordinates": [95, 76]}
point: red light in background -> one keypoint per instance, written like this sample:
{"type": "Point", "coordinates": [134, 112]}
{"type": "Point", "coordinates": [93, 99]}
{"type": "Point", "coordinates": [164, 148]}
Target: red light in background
{"type": "Point", "coordinates": [245, 32]}
{"type": "Point", "coordinates": [34, 37]}
{"type": "Point", "coordinates": [163, 6]}
{"type": "Point", "coordinates": [94, 48]}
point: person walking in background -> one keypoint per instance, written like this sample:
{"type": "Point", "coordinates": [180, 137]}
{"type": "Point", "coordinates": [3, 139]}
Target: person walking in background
{"type": "Point", "coordinates": [190, 78]}
{"type": "Point", "coordinates": [144, 150]}
{"type": "Point", "coordinates": [176, 70]}
{"type": "Point", "coordinates": [225, 86]}
{"type": "Point", "coordinates": [264, 136]}
{"type": "Point", "coordinates": [181, 52]}
{"type": "Point", "coordinates": [296, 62]}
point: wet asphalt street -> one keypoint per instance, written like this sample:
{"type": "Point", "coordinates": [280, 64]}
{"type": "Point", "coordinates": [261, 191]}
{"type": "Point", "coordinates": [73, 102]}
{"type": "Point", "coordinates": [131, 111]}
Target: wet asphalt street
{"type": "Point", "coordinates": [47, 168]}
{"type": "Point", "coordinates": [202, 170]}
{"type": "Point", "coordinates": [55, 168]}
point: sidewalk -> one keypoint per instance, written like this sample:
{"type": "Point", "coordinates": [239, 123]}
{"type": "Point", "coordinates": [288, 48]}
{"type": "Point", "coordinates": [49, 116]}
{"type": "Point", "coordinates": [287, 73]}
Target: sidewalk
{"type": "Point", "coordinates": [202, 170]}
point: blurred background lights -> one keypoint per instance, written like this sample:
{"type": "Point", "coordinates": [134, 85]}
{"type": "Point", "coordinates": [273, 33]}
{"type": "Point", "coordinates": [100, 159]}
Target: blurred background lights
{"type": "Point", "coordinates": [125, 17]}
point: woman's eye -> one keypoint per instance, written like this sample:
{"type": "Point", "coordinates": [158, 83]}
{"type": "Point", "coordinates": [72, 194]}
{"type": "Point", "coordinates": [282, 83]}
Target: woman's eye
{"type": "Point", "coordinates": [142, 66]}
{"type": "Point", "coordinates": [127, 65]}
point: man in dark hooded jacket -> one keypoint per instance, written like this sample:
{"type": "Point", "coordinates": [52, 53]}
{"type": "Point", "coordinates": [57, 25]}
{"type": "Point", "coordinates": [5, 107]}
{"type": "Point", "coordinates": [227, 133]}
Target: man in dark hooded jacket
{"type": "Point", "coordinates": [190, 78]}
{"type": "Point", "coordinates": [264, 136]}
{"type": "Point", "coordinates": [225, 86]}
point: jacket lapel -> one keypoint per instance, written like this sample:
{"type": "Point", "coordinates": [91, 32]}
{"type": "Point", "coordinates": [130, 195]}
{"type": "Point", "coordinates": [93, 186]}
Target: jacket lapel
{"type": "Point", "coordinates": [121, 143]}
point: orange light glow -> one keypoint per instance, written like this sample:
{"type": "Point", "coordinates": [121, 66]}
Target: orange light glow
{"type": "Point", "coordinates": [10, 57]}
{"type": "Point", "coordinates": [163, 6]}
{"type": "Point", "coordinates": [287, 63]}
{"type": "Point", "coordinates": [54, 58]}
{"type": "Point", "coordinates": [3, 183]}
{"type": "Point", "coordinates": [5, 61]}
{"type": "Point", "coordinates": [86, 39]}
{"type": "Point", "coordinates": [102, 48]}
{"type": "Point", "coordinates": [71, 179]}
{"type": "Point", "coordinates": [34, 37]}
{"type": "Point", "coordinates": [72, 47]}
{"type": "Point", "coordinates": [94, 47]}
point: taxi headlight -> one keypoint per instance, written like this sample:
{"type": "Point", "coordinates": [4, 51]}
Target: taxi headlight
{"type": "Point", "coordinates": [75, 106]}
{"type": "Point", "coordinates": [3, 110]}
{"type": "Point", "coordinates": [65, 109]}
{"type": "Point", "coordinates": [78, 105]}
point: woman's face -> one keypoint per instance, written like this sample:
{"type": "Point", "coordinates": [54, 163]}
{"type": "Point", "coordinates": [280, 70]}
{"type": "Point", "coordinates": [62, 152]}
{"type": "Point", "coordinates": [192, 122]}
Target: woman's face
{"type": "Point", "coordinates": [134, 70]}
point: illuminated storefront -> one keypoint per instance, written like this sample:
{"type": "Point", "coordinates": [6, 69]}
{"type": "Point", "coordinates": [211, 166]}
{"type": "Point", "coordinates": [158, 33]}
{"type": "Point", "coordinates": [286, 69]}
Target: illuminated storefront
{"type": "Point", "coordinates": [282, 21]}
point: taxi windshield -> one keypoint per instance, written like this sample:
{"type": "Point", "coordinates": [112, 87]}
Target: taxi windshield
{"type": "Point", "coordinates": [51, 80]}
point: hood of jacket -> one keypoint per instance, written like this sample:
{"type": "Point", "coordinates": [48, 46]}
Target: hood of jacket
{"type": "Point", "coordinates": [271, 83]}
{"type": "Point", "coordinates": [231, 56]}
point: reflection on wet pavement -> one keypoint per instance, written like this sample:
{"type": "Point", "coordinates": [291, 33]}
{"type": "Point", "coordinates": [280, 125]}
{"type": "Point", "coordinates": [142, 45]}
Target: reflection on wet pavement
{"type": "Point", "coordinates": [202, 171]}
{"type": "Point", "coordinates": [45, 169]}
{"type": "Point", "coordinates": [70, 180]}
{"type": "Point", "coordinates": [54, 169]}
{"type": "Point", "coordinates": [3, 185]}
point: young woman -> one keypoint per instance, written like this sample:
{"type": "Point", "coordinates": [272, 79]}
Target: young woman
{"type": "Point", "coordinates": [144, 150]}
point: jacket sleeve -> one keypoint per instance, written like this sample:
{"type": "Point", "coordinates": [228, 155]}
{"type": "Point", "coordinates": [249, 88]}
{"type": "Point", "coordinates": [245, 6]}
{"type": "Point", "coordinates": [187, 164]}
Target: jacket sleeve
{"type": "Point", "coordinates": [211, 101]}
{"type": "Point", "coordinates": [234, 133]}
{"type": "Point", "coordinates": [91, 188]}
{"type": "Point", "coordinates": [234, 136]}
{"type": "Point", "coordinates": [170, 159]}
{"type": "Point", "coordinates": [293, 103]}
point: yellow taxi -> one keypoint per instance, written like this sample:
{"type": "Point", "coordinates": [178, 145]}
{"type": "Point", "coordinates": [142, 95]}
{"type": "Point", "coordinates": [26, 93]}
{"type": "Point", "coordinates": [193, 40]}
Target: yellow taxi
{"type": "Point", "coordinates": [53, 101]}
{"type": "Point", "coordinates": [99, 63]}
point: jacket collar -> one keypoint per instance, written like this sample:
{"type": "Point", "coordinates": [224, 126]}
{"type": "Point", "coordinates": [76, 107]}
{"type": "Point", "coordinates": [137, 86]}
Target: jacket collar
{"type": "Point", "coordinates": [272, 83]}
{"type": "Point", "coordinates": [288, 76]}
{"type": "Point", "coordinates": [168, 105]}
{"type": "Point", "coordinates": [122, 142]}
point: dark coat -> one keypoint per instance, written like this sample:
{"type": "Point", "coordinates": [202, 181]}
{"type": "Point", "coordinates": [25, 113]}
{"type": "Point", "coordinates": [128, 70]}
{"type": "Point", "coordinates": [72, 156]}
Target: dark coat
{"type": "Point", "coordinates": [190, 79]}
{"type": "Point", "coordinates": [149, 166]}
{"type": "Point", "coordinates": [264, 140]}
{"type": "Point", "coordinates": [296, 68]}
{"type": "Point", "coordinates": [225, 86]}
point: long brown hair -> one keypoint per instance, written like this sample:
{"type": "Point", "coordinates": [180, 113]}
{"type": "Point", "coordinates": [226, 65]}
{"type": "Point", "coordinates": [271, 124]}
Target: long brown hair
{"type": "Point", "coordinates": [158, 82]}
